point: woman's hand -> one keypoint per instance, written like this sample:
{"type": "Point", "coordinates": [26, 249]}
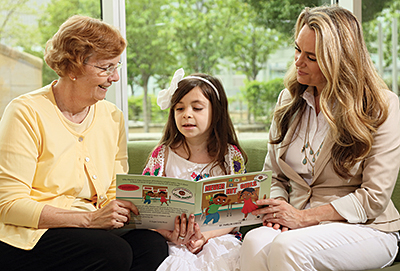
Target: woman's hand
{"type": "Point", "coordinates": [279, 214]}
{"type": "Point", "coordinates": [113, 216]}
{"type": "Point", "coordinates": [184, 230]}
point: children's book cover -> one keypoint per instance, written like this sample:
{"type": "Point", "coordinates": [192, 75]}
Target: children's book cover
{"type": "Point", "coordinates": [216, 202]}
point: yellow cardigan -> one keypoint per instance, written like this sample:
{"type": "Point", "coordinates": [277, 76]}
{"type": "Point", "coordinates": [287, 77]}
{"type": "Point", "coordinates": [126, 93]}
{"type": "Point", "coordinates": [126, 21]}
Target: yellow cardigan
{"type": "Point", "coordinates": [43, 161]}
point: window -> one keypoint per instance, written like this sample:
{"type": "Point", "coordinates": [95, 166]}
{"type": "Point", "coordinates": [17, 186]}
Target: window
{"type": "Point", "coordinates": [243, 43]}
{"type": "Point", "coordinates": [25, 26]}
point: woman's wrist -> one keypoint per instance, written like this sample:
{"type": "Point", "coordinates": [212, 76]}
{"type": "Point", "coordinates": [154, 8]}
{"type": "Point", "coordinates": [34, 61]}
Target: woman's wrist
{"type": "Point", "coordinates": [315, 216]}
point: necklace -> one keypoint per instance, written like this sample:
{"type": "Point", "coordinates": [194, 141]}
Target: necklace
{"type": "Point", "coordinates": [314, 155]}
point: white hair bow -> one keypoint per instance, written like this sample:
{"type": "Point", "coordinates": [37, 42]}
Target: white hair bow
{"type": "Point", "coordinates": [165, 95]}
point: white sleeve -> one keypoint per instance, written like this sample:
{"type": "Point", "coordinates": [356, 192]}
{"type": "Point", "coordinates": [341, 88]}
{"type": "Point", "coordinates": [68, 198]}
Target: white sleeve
{"type": "Point", "coordinates": [350, 208]}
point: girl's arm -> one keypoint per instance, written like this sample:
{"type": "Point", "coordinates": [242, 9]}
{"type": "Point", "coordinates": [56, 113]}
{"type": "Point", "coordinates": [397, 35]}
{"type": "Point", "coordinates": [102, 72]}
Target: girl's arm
{"type": "Point", "coordinates": [215, 233]}
{"type": "Point", "coordinates": [195, 246]}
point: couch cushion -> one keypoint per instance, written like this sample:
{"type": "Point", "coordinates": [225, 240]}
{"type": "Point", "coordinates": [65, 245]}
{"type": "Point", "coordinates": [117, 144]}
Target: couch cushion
{"type": "Point", "coordinates": [138, 151]}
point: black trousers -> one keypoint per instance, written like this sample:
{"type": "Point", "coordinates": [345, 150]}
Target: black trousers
{"type": "Point", "coordinates": [79, 249]}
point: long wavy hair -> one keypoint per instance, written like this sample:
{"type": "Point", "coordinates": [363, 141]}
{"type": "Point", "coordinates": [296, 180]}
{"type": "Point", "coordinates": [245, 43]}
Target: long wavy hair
{"type": "Point", "coordinates": [222, 129]}
{"type": "Point", "coordinates": [353, 99]}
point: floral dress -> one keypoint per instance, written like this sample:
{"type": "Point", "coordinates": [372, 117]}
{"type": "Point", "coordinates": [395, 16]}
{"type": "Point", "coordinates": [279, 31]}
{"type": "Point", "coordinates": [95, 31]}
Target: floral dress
{"type": "Point", "coordinates": [179, 167]}
{"type": "Point", "coordinates": [219, 253]}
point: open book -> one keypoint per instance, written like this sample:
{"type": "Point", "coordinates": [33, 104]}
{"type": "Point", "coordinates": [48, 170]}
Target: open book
{"type": "Point", "coordinates": [216, 202]}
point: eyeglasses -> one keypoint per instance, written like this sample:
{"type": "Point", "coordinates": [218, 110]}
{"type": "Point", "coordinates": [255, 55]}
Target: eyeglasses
{"type": "Point", "coordinates": [109, 70]}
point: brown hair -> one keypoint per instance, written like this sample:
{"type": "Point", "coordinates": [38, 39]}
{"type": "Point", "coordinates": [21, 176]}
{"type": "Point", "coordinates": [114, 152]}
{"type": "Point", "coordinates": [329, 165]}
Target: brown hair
{"type": "Point", "coordinates": [222, 130]}
{"type": "Point", "coordinates": [79, 38]}
{"type": "Point", "coordinates": [353, 99]}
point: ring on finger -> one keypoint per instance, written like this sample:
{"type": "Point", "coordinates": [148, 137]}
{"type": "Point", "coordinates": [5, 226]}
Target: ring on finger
{"type": "Point", "coordinates": [181, 237]}
{"type": "Point", "coordinates": [274, 215]}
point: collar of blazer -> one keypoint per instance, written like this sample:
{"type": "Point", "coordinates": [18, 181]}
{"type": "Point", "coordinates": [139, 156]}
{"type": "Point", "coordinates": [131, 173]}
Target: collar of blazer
{"type": "Point", "coordinates": [320, 164]}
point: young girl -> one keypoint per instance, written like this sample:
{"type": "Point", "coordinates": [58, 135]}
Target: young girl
{"type": "Point", "coordinates": [199, 141]}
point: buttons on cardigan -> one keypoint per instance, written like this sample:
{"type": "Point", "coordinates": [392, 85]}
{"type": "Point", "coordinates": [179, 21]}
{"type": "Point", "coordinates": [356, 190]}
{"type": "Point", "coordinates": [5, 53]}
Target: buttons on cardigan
{"type": "Point", "coordinates": [80, 139]}
{"type": "Point", "coordinates": [87, 159]}
{"type": "Point", "coordinates": [94, 177]}
{"type": "Point", "coordinates": [101, 197]}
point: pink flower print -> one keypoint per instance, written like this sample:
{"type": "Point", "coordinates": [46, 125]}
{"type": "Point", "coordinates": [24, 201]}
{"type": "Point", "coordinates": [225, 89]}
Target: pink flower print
{"type": "Point", "coordinates": [146, 171]}
{"type": "Point", "coordinates": [156, 169]}
{"type": "Point", "coordinates": [156, 151]}
{"type": "Point", "coordinates": [236, 148]}
{"type": "Point", "coordinates": [194, 175]}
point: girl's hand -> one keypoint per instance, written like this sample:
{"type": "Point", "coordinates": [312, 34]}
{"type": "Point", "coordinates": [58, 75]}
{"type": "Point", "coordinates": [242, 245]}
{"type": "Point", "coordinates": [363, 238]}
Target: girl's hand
{"type": "Point", "coordinates": [112, 216]}
{"type": "Point", "coordinates": [197, 242]}
{"type": "Point", "coordinates": [183, 230]}
{"type": "Point", "coordinates": [274, 226]}
{"type": "Point", "coordinates": [279, 213]}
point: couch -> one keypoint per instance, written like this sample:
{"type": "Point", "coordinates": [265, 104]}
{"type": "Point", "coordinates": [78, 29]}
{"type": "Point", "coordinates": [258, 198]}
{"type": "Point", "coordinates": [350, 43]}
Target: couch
{"type": "Point", "coordinates": [256, 149]}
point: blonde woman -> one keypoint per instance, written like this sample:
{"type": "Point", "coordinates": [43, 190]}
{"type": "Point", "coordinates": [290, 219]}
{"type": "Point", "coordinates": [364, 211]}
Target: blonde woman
{"type": "Point", "coordinates": [335, 154]}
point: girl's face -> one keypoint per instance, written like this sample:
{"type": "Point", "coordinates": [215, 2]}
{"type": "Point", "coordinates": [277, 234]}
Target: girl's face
{"type": "Point", "coordinates": [193, 115]}
{"type": "Point", "coordinates": [246, 195]}
{"type": "Point", "coordinates": [308, 71]}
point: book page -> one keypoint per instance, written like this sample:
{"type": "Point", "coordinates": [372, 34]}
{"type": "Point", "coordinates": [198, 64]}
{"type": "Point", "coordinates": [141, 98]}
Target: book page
{"type": "Point", "coordinates": [158, 199]}
{"type": "Point", "coordinates": [217, 202]}
{"type": "Point", "coordinates": [227, 201]}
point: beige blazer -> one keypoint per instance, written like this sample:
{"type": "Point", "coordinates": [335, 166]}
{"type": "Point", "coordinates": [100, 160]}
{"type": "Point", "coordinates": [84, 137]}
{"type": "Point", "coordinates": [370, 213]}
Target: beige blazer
{"type": "Point", "coordinates": [373, 181]}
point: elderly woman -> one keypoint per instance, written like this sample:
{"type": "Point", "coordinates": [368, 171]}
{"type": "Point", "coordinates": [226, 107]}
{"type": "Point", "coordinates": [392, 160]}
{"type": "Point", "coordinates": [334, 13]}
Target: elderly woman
{"type": "Point", "coordinates": [335, 154]}
{"type": "Point", "coordinates": [61, 147]}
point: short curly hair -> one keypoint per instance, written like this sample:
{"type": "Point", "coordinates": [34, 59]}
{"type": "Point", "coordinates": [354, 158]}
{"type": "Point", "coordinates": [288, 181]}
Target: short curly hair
{"type": "Point", "coordinates": [78, 39]}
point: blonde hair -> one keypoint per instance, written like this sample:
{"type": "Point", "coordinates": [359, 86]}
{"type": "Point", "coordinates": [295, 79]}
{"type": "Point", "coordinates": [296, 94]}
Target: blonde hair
{"type": "Point", "coordinates": [353, 99]}
{"type": "Point", "coordinates": [79, 38]}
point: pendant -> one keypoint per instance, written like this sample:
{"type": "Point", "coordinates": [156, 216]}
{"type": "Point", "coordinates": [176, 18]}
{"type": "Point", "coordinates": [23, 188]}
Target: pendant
{"type": "Point", "coordinates": [304, 161]}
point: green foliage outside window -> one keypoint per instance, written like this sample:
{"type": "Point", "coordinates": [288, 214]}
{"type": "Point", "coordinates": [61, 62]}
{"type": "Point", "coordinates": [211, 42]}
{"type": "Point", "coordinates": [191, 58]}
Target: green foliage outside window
{"type": "Point", "coordinates": [261, 98]}
{"type": "Point", "coordinates": [135, 109]}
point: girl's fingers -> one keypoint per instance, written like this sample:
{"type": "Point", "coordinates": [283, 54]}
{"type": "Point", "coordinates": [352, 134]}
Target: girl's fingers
{"type": "Point", "coordinates": [197, 232]}
{"type": "Point", "coordinates": [176, 231]}
{"type": "Point", "coordinates": [190, 226]}
{"type": "Point", "coordinates": [183, 225]}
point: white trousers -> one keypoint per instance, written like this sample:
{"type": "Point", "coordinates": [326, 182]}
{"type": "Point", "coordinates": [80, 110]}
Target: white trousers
{"type": "Point", "coordinates": [334, 246]}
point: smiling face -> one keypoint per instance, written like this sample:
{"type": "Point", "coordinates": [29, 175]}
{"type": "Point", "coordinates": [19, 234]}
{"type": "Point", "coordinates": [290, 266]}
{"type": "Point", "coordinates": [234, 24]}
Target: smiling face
{"type": "Point", "coordinates": [193, 115]}
{"type": "Point", "coordinates": [219, 200]}
{"type": "Point", "coordinates": [92, 86]}
{"type": "Point", "coordinates": [308, 71]}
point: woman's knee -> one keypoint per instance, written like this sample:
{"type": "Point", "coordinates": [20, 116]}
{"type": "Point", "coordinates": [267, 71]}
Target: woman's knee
{"type": "Point", "coordinates": [149, 249]}
{"type": "Point", "coordinates": [259, 237]}
{"type": "Point", "coordinates": [111, 253]}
